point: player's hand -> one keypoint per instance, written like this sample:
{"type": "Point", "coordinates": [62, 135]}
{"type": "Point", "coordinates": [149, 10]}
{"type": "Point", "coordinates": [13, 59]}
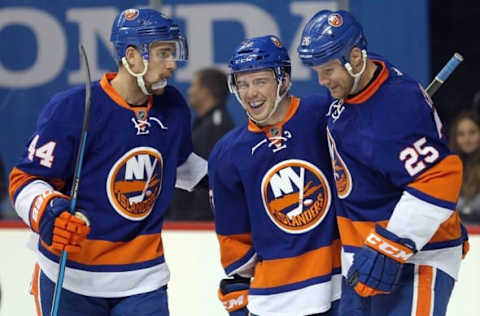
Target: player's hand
{"type": "Point", "coordinates": [233, 293]}
{"type": "Point", "coordinates": [49, 217]}
{"type": "Point", "coordinates": [378, 264]}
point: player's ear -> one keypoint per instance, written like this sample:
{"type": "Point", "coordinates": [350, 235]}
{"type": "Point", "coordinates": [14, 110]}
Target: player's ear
{"type": "Point", "coordinates": [132, 55]}
{"type": "Point", "coordinates": [285, 83]}
{"type": "Point", "coordinates": [356, 59]}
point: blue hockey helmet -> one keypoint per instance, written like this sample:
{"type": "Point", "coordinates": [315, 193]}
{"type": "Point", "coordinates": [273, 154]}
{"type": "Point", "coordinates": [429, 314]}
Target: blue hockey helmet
{"type": "Point", "coordinates": [261, 53]}
{"type": "Point", "coordinates": [330, 35]}
{"type": "Point", "coordinates": [142, 27]}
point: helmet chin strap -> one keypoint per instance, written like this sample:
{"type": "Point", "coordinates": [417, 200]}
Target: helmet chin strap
{"type": "Point", "coordinates": [140, 82]}
{"type": "Point", "coordinates": [356, 77]}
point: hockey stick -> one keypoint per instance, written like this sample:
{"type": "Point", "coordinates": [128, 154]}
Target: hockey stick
{"type": "Point", "coordinates": [76, 179]}
{"type": "Point", "coordinates": [443, 75]}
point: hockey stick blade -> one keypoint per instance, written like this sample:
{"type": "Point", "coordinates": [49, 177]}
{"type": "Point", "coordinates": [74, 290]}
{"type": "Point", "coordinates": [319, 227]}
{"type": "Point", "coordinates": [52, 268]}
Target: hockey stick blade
{"type": "Point", "coordinates": [76, 178]}
{"type": "Point", "coordinates": [443, 75]}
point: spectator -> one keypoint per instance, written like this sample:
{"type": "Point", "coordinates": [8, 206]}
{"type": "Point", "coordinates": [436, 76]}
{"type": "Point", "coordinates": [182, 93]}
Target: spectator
{"type": "Point", "coordinates": [465, 140]}
{"type": "Point", "coordinates": [465, 135]}
{"type": "Point", "coordinates": [207, 96]}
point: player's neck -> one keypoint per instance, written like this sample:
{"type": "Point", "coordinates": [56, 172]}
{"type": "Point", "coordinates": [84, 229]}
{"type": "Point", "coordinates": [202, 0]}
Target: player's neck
{"type": "Point", "coordinates": [127, 87]}
{"type": "Point", "coordinates": [367, 75]}
{"type": "Point", "coordinates": [280, 113]}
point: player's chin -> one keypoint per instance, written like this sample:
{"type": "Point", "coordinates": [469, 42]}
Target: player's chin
{"type": "Point", "coordinates": [158, 91]}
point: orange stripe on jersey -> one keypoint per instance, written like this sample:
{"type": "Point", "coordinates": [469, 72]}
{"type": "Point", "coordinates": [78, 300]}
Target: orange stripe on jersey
{"type": "Point", "coordinates": [294, 103]}
{"type": "Point", "coordinates": [442, 181]}
{"type": "Point", "coordinates": [279, 272]}
{"type": "Point", "coordinates": [113, 94]}
{"type": "Point", "coordinates": [355, 233]}
{"type": "Point", "coordinates": [18, 178]}
{"type": "Point", "coordinates": [101, 252]}
{"type": "Point", "coordinates": [373, 87]}
{"type": "Point", "coordinates": [34, 290]}
{"type": "Point", "coordinates": [448, 230]}
{"type": "Point", "coordinates": [234, 247]}
{"type": "Point", "coordinates": [424, 291]}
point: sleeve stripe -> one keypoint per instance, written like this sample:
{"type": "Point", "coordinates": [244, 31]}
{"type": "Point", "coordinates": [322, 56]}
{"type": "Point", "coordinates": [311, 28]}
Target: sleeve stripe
{"type": "Point", "coordinates": [244, 265]}
{"type": "Point", "coordinates": [429, 199]}
{"type": "Point", "coordinates": [441, 182]}
{"type": "Point", "coordinates": [234, 247]}
{"type": "Point", "coordinates": [354, 233]}
{"type": "Point", "coordinates": [18, 179]}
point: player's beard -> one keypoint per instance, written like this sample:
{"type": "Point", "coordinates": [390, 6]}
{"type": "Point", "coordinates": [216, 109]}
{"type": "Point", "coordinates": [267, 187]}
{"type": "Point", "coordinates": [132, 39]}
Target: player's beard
{"type": "Point", "coordinates": [158, 87]}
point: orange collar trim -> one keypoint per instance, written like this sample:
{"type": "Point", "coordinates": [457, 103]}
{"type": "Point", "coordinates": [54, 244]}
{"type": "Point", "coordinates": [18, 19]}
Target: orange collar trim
{"type": "Point", "coordinates": [373, 87]}
{"type": "Point", "coordinates": [110, 91]}
{"type": "Point", "coordinates": [294, 104]}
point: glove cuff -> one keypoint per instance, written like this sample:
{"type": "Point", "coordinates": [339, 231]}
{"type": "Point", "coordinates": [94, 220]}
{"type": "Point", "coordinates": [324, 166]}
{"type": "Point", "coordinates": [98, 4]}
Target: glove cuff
{"type": "Point", "coordinates": [39, 205]}
{"type": "Point", "coordinates": [233, 293]}
{"type": "Point", "coordinates": [390, 244]}
{"type": "Point", "coordinates": [234, 301]}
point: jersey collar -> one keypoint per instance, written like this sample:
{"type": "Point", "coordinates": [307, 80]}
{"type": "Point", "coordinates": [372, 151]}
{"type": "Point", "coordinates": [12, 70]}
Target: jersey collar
{"type": "Point", "coordinates": [372, 87]}
{"type": "Point", "coordinates": [293, 107]}
{"type": "Point", "coordinates": [140, 111]}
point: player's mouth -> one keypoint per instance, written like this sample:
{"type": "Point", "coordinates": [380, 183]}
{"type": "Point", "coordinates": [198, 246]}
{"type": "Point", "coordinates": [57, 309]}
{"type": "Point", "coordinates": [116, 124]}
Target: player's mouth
{"type": "Point", "coordinates": [256, 106]}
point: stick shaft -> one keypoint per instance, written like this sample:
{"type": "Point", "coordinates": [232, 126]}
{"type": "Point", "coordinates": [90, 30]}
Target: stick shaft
{"type": "Point", "coordinates": [76, 179]}
{"type": "Point", "coordinates": [443, 75]}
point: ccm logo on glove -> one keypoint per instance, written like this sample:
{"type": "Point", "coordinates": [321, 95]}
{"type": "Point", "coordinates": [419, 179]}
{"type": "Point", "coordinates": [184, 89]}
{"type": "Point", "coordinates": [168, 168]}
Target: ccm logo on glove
{"type": "Point", "coordinates": [393, 250]}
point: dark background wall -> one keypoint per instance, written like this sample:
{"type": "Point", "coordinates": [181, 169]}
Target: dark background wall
{"type": "Point", "coordinates": [455, 27]}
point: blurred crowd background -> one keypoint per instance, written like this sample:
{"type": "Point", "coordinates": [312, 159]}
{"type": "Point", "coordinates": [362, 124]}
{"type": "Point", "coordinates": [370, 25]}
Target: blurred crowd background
{"type": "Point", "coordinates": [39, 57]}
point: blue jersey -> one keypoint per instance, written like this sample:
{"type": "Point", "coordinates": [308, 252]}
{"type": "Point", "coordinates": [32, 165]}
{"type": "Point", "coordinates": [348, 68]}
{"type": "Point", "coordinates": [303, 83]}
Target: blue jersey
{"type": "Point", "coordinates": [129, 173]}
{"type": "Point", "coordinates": [274, 214]}
{"type": "Point", "coordinates": [392, 166]}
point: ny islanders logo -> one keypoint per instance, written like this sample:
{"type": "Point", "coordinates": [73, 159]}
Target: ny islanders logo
{"type": "Point", "coordinates": [134, 182]}
{"type": "Point", "coordinates": [343, 179]}
{"type": "Point", "coordinates": [295, 195]}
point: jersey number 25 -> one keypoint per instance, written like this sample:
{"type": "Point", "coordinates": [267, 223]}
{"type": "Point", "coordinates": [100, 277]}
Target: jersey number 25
{"type": "Point", "coordinates": [416, 156]}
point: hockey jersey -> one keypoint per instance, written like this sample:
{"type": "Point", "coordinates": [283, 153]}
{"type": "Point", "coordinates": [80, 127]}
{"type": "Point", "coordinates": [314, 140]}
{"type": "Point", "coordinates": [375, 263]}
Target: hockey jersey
{"type": "Point", "coordinates": [392, 166]}
{"type": "Point", "coordinates": [134, 156]}
{"type": "Point", "coordinates": [274, 214]}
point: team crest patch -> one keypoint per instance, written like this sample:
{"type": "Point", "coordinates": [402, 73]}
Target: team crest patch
{"type": "Point", "coordinates": [131, 14]}
{"type": "Point", "coordinates": [335, 20]}
{"type": "Point", "coordinates": [134, 183]}
{"type": "Point", "coordinates": [343, 179]}
{"type": "Point", "coordinates": [295, 195]}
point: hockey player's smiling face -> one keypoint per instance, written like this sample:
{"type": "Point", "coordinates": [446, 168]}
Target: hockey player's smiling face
{"type": "Point", "coordinates": [335, 77]}
{"type": "Point", "coordinates": [258, 91]}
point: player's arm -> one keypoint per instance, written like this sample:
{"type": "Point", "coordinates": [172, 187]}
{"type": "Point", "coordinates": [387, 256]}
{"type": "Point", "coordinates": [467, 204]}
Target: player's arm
{"type": "Point", "coordinates": [36, 184]}
{"type": "Point", "coordinates": [232, 226]}
{"type": "Point", "coordinates": [417, 160]}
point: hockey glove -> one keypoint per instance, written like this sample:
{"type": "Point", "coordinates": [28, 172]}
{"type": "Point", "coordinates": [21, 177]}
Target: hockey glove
{"type": "Point", "coordinates": [378, 264]}
{"type": "Point", "coordinates": [58, 228]}
{"type": "Point", "coordinates": [233, 293]}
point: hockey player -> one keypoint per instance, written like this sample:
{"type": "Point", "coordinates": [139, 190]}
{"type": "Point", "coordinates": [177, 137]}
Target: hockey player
{"type": "Point", "coordinates": [269, 182]}
{"type": "Point", "coordinates": [397, 182]}
{"type": "Point", "coordinates": [138, 145]}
